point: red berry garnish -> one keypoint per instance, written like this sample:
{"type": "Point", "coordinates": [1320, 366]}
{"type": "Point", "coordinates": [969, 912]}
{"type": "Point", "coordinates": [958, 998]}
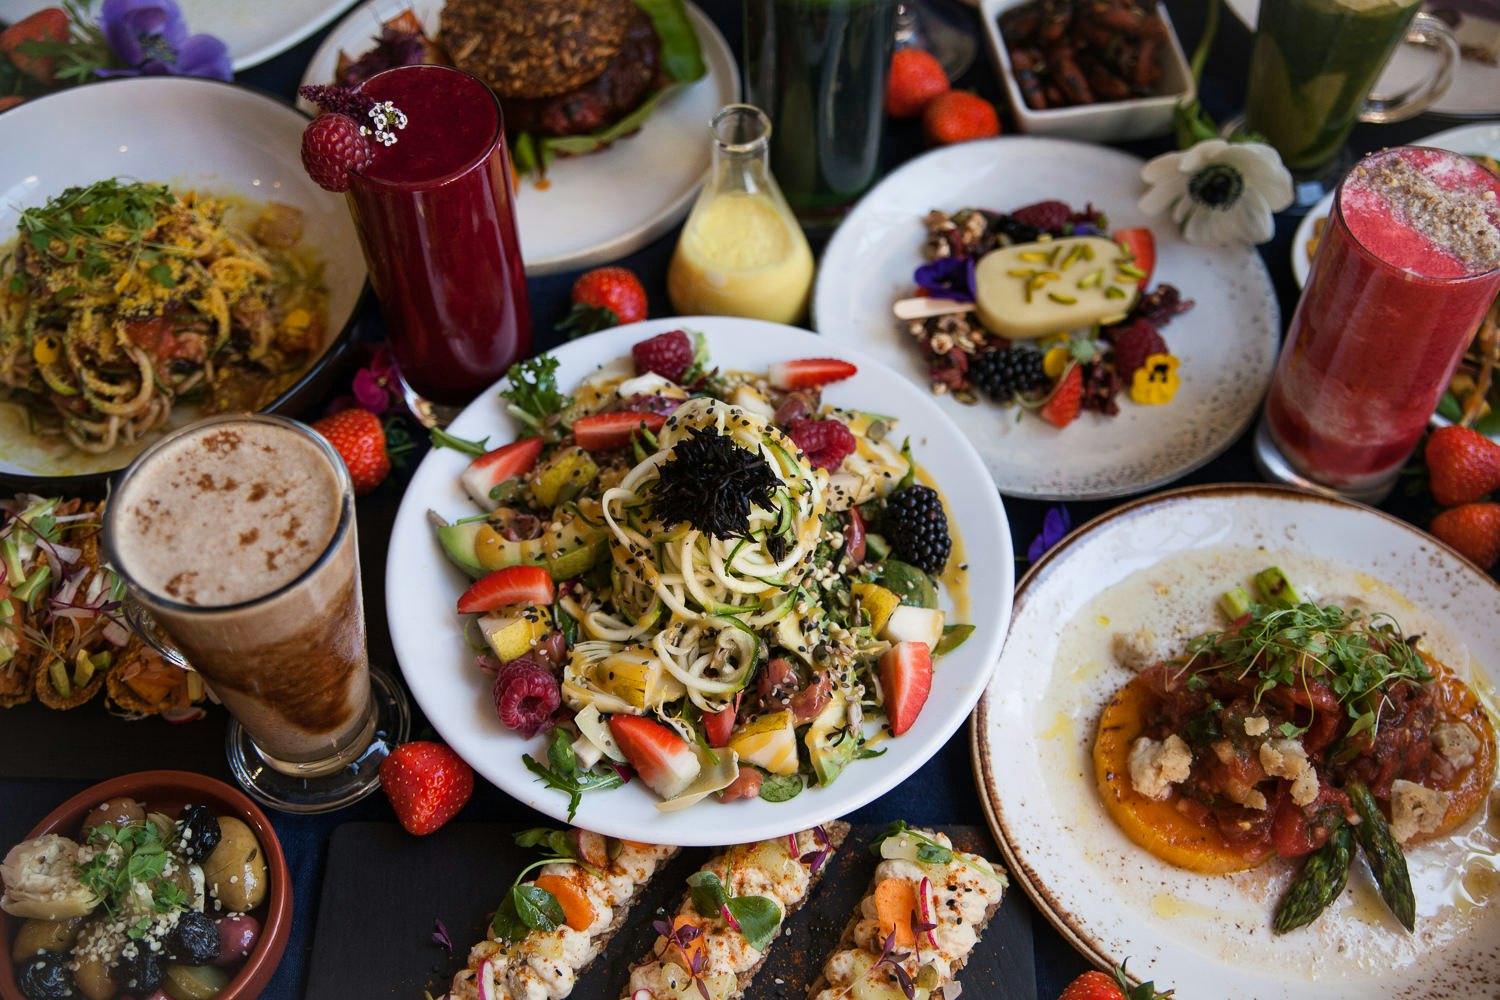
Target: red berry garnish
{"type": "Point", "coordinates": [825, 442]}
{"type": "Point", "coordinates": [1048, 216]}
{"type": "Point", "coordinates": [669, 355]}
{"type": "Point", "coordinates": [526, 695]}
{"type": "Point", "coordinates": [1134, 344]}
{"type": "Point", "coordinates": [332, 148]}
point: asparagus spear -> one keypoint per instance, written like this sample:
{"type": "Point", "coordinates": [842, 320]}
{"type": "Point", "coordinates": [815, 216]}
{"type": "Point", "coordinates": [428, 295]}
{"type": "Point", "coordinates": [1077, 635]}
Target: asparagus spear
{"type": "Point", "coordinates": [1275, 588]}
{"type": "Point", "coordinates": [1235, 603]}
{"type": "Point", "coordinates": [1387, 862]}
{"type": "Point", "coordinates": [1319, 883]}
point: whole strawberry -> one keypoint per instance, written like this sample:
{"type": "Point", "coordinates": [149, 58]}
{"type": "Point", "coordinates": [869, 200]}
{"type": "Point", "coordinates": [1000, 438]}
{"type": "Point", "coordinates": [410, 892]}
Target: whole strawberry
{"type": "Point", "coordinates": [605, 297]}
{"type": "Point", "coordinates": [1462, 464]}
{"type": "Point", "coordinates": [916, 78]}
{"type": "Point", "coordinates": [359, 439]}
{"type": "Point", "coordinates": [958, 116]}
{"type": "Point", "coordinates": [48, 26]}
{"type": "Point", "coordinates": [1473, 529]}
{"type": "Point", "coordinates": [427, 784]}
{"type": "Point", "coordinates": [332, 149]}
{"type": "Point", "coordinates": [1095, 985]}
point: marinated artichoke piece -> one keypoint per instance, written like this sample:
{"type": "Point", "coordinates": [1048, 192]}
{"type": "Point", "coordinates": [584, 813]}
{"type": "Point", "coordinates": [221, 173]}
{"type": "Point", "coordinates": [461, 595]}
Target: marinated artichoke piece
{"type": "Point", "coordinates": [41, 880]}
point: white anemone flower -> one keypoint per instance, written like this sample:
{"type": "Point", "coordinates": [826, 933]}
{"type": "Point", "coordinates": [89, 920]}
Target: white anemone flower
{"type": "Point", "coordinates": [1219, 192]}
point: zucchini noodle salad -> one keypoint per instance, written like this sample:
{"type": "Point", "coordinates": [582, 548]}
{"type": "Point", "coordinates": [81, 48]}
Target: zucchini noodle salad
{"type": "Point", "coordinates": [710, 580]}
{"type": "Point", "coordinates": [120, 298]}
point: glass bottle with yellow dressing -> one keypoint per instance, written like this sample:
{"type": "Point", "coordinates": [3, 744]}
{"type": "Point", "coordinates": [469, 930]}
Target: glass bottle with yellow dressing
{"type": "Point", "coordinates": [741, 252]}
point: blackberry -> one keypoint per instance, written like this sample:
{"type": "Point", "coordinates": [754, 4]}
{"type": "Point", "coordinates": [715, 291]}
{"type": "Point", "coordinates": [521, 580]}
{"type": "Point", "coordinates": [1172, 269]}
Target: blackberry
{"type": "Point", "coordinates": [916, 526]}
{"type": "Point", "coordinates": [1003, 374]}
{"type": "Point", "coordinates": [1015, 230]}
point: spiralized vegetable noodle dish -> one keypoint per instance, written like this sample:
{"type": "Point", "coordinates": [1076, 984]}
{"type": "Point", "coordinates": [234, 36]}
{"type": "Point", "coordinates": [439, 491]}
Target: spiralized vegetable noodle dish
{"type": "Point", "coordinates": [120, 299]}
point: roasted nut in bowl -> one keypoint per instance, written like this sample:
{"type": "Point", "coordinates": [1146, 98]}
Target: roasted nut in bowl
{"type": "Point", "coordinates": [233, 900]}
{"type": "Point", "coordinates": [1091, 100]}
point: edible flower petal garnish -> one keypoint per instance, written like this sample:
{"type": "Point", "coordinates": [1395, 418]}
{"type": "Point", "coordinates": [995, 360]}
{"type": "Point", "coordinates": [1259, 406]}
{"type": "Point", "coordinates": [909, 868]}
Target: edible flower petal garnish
{"type": "Point", "coordinates": [1219, 193]}
{"type": "Point", "coordinates": [150, 39]}
{"type": "Point", "coordinates": [1057, 523]}
{"type": "Point", "coordinates": [1156, 381]}
{"type": "Point", "coordinates": [947, 278]}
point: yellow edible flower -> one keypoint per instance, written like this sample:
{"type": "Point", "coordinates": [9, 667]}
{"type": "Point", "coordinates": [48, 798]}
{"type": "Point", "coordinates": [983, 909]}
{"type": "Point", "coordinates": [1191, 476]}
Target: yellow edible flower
{"type": "Point", "coordinates": [1055, 360]}
{"type": "Point", "coordinates": [1156, 381]}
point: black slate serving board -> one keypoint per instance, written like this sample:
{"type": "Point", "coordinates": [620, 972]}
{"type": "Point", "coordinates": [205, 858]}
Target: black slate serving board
{"type": "Point", "coordinates": [383, 891]}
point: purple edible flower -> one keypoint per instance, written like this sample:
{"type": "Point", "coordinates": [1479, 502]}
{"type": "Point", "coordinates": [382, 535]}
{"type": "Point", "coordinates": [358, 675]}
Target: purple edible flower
{"type": "Point", "coordinates": [947, 278]}
{"type": "Point", "coordinates": [1055, 525]}
{"type": "Point", "coordinates": [150, 38]}
{"type": "Point", "coordinates": [440, 936]}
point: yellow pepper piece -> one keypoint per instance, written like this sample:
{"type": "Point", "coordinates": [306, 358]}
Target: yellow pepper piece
{"type": "Point", "coordinates": [1156, 381]}
{"type": "Point", "coordinates": [1055, 360]}
{"type": "Point", "coordinates": [46, 350]}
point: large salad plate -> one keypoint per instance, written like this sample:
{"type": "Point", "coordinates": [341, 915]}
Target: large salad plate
{"type": "Point", "coordinates": [1165, 559]}
{"type": "Point", "coordinates": [1227, 343]}
{"type": "Point", "coordinates": [596, 208]}
{"type": "Point", "coordinates": [439, 667]}
{"type": "Point", "coordinates": [190, 134]}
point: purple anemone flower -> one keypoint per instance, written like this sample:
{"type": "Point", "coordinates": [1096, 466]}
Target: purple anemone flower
{"type": "Point", "coordinates": [947, 278]}
{"type": "Point", "coordinates": [1055, 525]}
{"type": "Point", "coordinates": [150, 38]}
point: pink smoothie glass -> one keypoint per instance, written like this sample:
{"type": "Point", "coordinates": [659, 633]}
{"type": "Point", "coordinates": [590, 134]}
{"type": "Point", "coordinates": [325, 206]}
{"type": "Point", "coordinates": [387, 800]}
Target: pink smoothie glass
{"type": "Point", "coordinates": [435, 212]}
{"type": "Point", "coordinates": [1407, 267]}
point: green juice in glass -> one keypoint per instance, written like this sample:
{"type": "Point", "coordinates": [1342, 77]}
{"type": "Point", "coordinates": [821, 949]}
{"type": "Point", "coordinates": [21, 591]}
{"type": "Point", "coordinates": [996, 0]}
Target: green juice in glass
{"type": "Point", "coordinates": [818, 70]}
{"type": "Point", "coordinates": [1312, 67]}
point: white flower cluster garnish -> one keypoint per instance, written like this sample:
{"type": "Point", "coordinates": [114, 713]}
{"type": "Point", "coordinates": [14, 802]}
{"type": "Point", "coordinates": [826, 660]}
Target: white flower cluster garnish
{"type": "Point", "coordinates": [1219, 192]}
{"type": "Point", "coordinates": [388, 120]}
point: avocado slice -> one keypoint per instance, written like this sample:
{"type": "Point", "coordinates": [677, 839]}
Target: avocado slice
{"type": "Point", "coordinates": [830, 744]}
{"type": "Point", "coordinates": [457, 541]}
{"type": "Point", "coordinates": [478, 549]}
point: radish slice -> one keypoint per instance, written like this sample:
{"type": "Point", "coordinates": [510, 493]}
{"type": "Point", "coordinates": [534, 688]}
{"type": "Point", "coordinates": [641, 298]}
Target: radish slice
{"type": "Point", "coordinates": [177, 716]}
{"type": "Point", "coordinates": [487, 981]}
{"type": "Point", "coordinates": [791, 844]}
{"type": "Point", "coordinates": [924, 894]}
{"type": "Point", "coordinates": [643, 994]}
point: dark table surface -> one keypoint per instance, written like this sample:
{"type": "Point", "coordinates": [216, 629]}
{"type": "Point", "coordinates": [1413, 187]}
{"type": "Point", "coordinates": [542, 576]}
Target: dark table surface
{"type": "Point", "coordinates": [45, 757]}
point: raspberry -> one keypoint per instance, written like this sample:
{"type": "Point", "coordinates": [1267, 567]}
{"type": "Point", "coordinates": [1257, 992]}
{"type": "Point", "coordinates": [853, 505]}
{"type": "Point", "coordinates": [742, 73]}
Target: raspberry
{"type": "Point", "coordinates": [332, 148]}
{"type": "Point", "coordinates": [526, 695]}
{"type": "Point", "coordinates": [669, 355]}
{"type": "Point", "coordinates": [825, 442]}
{"type": "Point", "coordinates": [1133, 344]}
{"type": "Point", "coordinates": [1048, 216]}
{"type": "Point", "coordinates": [917, 527]}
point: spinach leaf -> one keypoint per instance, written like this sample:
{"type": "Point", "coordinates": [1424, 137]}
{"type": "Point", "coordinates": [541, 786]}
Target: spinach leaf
{"type": "Point", "coordinates": [781, 787]}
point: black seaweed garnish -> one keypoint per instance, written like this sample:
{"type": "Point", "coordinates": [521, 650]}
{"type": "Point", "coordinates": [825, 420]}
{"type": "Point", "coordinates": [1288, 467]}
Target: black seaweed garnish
{"type": "Point", "coordinates": [712, 483]}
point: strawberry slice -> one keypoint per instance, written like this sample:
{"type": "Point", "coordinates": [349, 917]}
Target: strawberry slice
{"type": "Point", "coordinates": [495, 467]}
{"type": "Point", "coordinates": [809, 372]}
{"type": "Point", "coordinates": [906, 678]}
{"type": "Point", "coordinates": [513, 585]}
{"type": "Point", "coordinates": [607, 431]}
{"type": "Point", "coordinates": [1141, 246]}
{"type": "Point", "coordinates": [1062, 408]}
{"type": "Point", "coordinates": [664, 760]}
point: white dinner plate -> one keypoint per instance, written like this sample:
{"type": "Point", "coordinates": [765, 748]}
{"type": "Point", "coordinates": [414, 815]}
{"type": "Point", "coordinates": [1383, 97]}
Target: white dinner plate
{"type": "Point", "coordinates": [189, 134]}
{"type": "Point", "coordinates": [1159, 563]}
{"type": "Point", "coordinates": [1475, 90]}
{"type": "Point", "coordinates": [422, 586]}
{"type": "Point", "coordinates": [254, 32]}
{"type": "Point", "coordinates": [596, 208]}
{"type": "Point", "coordinates": [1227, 343]}
{"type": "Point", "coordinates": [1480, 138]}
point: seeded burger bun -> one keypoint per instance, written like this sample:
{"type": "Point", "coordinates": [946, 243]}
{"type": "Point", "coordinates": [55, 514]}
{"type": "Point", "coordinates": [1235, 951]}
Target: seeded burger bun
{"type": "Point", "coordinates": [560, 67]}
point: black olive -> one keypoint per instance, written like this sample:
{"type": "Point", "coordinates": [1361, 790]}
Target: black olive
{"type": "Point", "coordinates": [195, 939]}
{"type": "Point", "coordinates": [141, 969]}
{"type": "Point", "coordinates": [197, 832]}
{"type": "Point", "coordinates": [46, 976]}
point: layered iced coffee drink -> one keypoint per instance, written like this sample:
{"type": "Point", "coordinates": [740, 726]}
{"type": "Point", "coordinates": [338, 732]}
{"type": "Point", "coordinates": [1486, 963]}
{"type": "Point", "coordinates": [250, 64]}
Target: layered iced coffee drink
{"type": "Point", "coordinates": [237, 535]}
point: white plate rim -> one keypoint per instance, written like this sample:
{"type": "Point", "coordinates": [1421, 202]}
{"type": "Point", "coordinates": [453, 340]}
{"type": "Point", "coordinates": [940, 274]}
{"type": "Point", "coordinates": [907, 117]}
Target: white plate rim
{"type": "Point", "coordinates": [989, 150]}
{"type": "Point", "coordinates": [723, 71]}
{"type": "Point", "coordinates": [966, 487]}
{"type": "Point", "coordinates": [1073, 927]}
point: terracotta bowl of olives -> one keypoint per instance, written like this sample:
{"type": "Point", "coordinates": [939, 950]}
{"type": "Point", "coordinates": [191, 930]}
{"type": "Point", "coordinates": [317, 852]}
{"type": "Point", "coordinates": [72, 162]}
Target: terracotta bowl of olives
{"type": "Point", "coordinates": [159, 885]}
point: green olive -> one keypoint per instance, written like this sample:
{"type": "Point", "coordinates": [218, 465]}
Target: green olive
{"type": "Point", "coordinates": [94, 979]}
{"type": "Point", "coordinates": [112, 812]}
{"type": "Point", "coordinates": [195, 982]}
{"type": "Point", "coordinates": [45, 935]}
{"type": "Point", "coordinates": [235, 873]}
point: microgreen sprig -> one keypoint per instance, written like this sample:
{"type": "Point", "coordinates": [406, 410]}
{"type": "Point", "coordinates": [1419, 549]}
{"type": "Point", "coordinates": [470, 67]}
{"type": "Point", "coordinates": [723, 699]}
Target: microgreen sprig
{"type": "Point", "coordinates": [107, 215]}
{"type": "Point", "coordinates": [563, 773]}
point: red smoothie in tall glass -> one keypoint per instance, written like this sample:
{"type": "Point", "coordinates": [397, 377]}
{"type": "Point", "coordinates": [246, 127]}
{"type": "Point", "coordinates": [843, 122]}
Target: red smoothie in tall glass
{"type": "Point", "coordinates": [436, 218]}
{"type": "Point", "coordinates": [1407, 266]}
